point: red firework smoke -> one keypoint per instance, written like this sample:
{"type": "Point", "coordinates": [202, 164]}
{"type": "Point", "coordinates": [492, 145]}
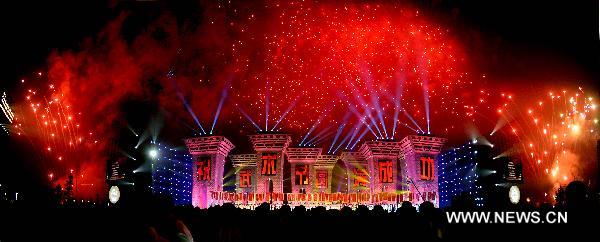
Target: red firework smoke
{"type": "Point", "coordinates": [387, 68]}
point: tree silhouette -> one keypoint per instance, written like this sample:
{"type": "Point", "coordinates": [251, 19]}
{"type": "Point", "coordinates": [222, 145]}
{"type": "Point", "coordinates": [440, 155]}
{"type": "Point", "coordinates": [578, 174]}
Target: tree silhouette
{"type": "Point", "coordinates": [68, 194]}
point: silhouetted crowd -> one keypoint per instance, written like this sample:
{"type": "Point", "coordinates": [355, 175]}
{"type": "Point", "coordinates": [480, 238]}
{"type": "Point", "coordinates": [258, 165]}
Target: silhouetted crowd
{"type": "Point", "coordinates": [155, 220]}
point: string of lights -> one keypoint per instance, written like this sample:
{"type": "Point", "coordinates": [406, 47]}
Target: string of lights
{"type": "Point", "coordinates": [459, 174]}
{"type": "Point", "coordinates": [172, 174]}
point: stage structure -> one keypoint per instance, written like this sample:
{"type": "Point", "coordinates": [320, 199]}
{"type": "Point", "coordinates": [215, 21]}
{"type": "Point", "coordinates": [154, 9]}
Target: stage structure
{"type": "Point", "coordinates": [323, 171]}
{"type": "Point", "coordinates": [357, 171]}
{"type": "Point", "coordinates": [384, 172]}
{"type": "Point", "coordinates": [311, 172]}
{"type": "Point", "coordinates": [209, 155]}
{"type": "Point", "coordinates": [302, 161]}
{"type": "Point", "coordinates": [270, 150]}
{"type": "Point", "coordinates": [245, 170]}
{"type": "Point", "coordinates": [383, 166]}
{"type": "Point", "coordinates": [418, 159]}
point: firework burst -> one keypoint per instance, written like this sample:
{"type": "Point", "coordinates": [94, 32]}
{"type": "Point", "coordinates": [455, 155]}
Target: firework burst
{"type": "Point", "coordinates": [396, 71]}
{"type": "Point", "coordinates": [556, 136]}
{"type": "Point", "coordinates": [52, 129]}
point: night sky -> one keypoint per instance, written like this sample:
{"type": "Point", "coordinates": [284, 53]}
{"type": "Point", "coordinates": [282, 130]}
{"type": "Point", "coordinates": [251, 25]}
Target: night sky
{"type": "Point", "coordinates": [496, 45]}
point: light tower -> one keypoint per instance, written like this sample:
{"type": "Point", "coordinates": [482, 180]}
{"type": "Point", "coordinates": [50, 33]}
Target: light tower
{"type": "Point", "coordinates": [357, 170]}
{"type": "Point", "coordinates": [270, 150]}
{"type": "Point", "coordinates": [209, 155]}
{"type": "Point", "coordinates": [302, 162]}
{"type": "Point", "coordinates": [383, 165]}
{"type": "Point", "coordinates": [420, 172]}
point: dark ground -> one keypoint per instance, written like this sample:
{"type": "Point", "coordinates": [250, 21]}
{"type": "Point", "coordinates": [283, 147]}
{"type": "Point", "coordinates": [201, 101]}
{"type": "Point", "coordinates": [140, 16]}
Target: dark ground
{"type": "Point", "coordinates": [227, 223]}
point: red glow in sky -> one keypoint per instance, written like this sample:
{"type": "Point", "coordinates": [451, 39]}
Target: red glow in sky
{"type": "Point", "coordinates": [352, 63]}
{"type": "Point", "coordinates": [341, 69]}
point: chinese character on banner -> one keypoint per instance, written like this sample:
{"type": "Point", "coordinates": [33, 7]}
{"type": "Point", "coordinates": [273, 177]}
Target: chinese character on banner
{"type": "Point", "coordinates": [360, 177]}
{"type": "Point", "coordinates": [245, 178]}
{"type": "Point", "coordinates": [269, 163]}
{"type": "Point", "coordinates": [203, 169]}
{"type": "Point", "coordinates": [426, 168]}
{"type": "Point", "coordinates": [322, 179]}
{"type": "Point", "coordinates": [386, 172]}
{"type": "Point", "coordinates": [431, 196]}
{"type": "Point", "coordinates": [301, 175]}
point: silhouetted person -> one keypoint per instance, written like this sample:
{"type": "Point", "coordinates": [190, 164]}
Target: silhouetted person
{"type": "Point", "coordinates": [362, 210]}
{"type": "Point", "coordinates": [426, 208]}
{"type": "Point", "coordinates": [346, 211]}
{"type": "Point", "coordinates": [299, 211]}
{"type": "Point", "coordinates": [263, 209]}
{"type": "Point", "coordinates": [576, 195]}
{"type": "Point", "coordinates": [407, 210]}
{"type": "Point", "coordinates": [285, 211]}
{"type": "Point", "coordinates": [431, 221]}
{"type": "Point", "coordinates": [378, 210]}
